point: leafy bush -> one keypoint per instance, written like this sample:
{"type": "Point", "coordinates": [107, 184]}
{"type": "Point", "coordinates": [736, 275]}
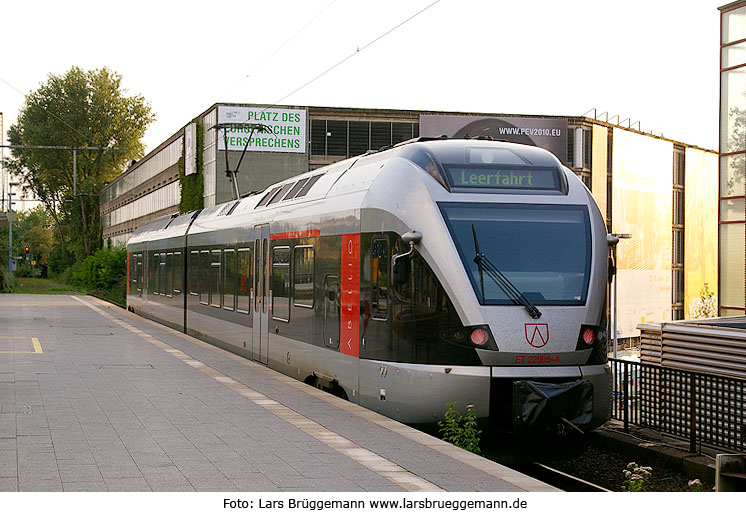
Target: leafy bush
{"type": "Point", "coordinates": [23, 271]}
{"type": "Point", "coordinates": [459, 430]}
{"type": "Point", "coordinates": [101, 271]}
{"type": "Point", "coordinates": [60, 259]}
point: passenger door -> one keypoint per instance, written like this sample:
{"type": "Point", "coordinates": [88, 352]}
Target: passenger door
{"type": "Point", "coordinates": [331, 312]}
{"type": "Point", "coordinates": [260, 330]}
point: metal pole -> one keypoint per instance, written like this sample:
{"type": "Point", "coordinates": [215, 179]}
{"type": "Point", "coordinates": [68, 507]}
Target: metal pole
{"type": "Point", "coordinates": [626, 398]}
{"type": "Point", "coordinates": [616, 280]}
{"type": "Point", "coordinates": [75, 172]}
{"type": "Point", "coordinates": [10, 238]}
{"type": "Point", "coordinates": [2, 156]}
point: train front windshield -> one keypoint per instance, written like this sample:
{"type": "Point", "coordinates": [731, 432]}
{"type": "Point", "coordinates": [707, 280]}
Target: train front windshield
{"type": "Point", "coordinates": [543, 250]}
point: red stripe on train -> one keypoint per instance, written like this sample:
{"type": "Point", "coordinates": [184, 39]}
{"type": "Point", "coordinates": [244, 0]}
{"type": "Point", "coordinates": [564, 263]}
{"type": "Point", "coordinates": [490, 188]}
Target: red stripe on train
{"type": "Point", "coordinates": [349, 321]}
{"type": "Point", "coordinates": [295, 235]}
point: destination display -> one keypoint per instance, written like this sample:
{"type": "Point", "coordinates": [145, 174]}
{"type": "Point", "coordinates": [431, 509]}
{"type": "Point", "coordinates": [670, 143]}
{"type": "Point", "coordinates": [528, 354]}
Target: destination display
{"type": "Point", "coordinates": [503, 177]}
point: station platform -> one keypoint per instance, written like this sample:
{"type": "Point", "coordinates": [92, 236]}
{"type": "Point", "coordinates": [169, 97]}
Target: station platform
{"type": "Point", "coordinates": [93, 398]}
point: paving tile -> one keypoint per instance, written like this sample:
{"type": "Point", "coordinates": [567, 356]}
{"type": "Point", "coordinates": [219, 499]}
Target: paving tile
{"type": "Point", "coordinates": [255, 483]}
{"type": "Point", "coordinates": [127, 484]}
{"type": "Point", "coordinates": [84, 486]}
{"type": "Point", "coordinates": [121, 471]}
{"type": "Point", "coordinates": [8, 463]}
{"type": "Point", "coordinates": [9, 484]}
{"type": "Point", "coordinates": [70, 472]}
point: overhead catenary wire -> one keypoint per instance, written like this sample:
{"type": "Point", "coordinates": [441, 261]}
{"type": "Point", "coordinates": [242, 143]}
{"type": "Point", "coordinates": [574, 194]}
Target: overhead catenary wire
{"type": "Point", "coordinates": [357, 51]}
{"type": "Point", "coordinates": [283, 45]}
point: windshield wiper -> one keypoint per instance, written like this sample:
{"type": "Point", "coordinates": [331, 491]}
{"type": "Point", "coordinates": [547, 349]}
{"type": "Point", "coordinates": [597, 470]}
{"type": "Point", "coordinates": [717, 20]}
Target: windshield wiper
{"type": "Point", "coordinates": [515, 295]}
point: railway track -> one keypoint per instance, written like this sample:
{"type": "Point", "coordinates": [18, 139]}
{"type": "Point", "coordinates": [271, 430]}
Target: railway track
{"type": "Point", "coordinates": [559, 479]}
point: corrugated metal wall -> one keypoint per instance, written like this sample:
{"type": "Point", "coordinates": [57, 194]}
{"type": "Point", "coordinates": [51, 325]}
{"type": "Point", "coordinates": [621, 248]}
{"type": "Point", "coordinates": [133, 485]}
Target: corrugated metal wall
{"type": "Point", "coordinates": [716, 346]}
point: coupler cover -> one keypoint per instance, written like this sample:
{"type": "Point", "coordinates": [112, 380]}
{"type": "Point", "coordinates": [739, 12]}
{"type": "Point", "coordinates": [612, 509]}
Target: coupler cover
{"type": "Point", "coordinates": [541, 405]}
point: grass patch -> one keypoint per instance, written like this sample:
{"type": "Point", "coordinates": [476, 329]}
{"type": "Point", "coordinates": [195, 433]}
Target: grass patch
{"type": "Point", "coordinates": [40, 286]}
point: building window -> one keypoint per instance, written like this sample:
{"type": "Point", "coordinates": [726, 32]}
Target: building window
{"type": "Point", "coordinates": [732, 159]}
{"type": "Point", "coordinates": [401, 132]}
{"type": "Point", "coordinates": [280, 296]}
{"type": "Point", "coordinates": [677, 249]}
{"type": "Point", "coordinates": [359, 138]}
{"type": "Point", "coordinates": [380, 135]}
{"type": "Point", "coordinates": [318, 137]}
{"type": "Point", "coordinates": [580, 147]}
{"type": "Point", "coordinates": [303, 263]}
{"type": "Point", "coordinates": [336, 138]}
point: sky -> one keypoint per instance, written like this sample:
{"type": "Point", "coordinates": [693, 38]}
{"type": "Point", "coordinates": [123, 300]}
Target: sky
{"type": "Point", "coordinates": [653, 61]}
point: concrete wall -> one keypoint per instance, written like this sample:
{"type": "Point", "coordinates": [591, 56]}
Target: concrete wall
{"type": "Point", "coordinates": [258, 171]}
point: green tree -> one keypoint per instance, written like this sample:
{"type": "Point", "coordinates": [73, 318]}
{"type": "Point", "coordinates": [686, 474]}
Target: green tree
{"type": "Point", "coordinates": [31, 229]}
{"type": "Point", "coordinates": [77, 109]}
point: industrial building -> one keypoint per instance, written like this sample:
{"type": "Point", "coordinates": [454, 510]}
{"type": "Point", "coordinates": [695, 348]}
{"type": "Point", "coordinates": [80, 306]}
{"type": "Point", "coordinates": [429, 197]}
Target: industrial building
{"type": "Point", "coordinates": [661, 192]}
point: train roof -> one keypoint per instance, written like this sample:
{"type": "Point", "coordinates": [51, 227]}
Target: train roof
{"type": "Point", "coordinates": [427, 153]}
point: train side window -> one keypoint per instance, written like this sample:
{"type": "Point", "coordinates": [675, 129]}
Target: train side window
{"type": "Point", "coordinates": [215, 278]}
{"type": "Point", "coordinates": [243, 289]}
{"type": "Point", "coordinates": [140, 272]}
{"type": "Point", "coordinates": [401, 272]}
{"type": "Point", "coordinates": [257, 294]}
{"type": "Point", "coordinates": [178, 267]}
{"type": "Point", "coordinates": [162, 275]}
{"type": "Point", "coordinates": [379, 279]}
{"type": "Point", "coordinates": [136, 273]}
{"type": "Point", "coordinates": [303, 262]}
{"type": "Point", "coordinates": [170, 275]}
{"type": "Point", "coordinates": [229, 279]}
{"type": "Point", "coordinates": [265, 265]}
{"type": "Point", "coordinates": [281, 283]}
{"type": "Point", "coordinates": [204, 277]}
{"type": "Point", "coordinates": [154, 273]}
{"type": "Point", "coordinates": [193, 273]}
{"type": "Point", "coordinates": [132, 269]}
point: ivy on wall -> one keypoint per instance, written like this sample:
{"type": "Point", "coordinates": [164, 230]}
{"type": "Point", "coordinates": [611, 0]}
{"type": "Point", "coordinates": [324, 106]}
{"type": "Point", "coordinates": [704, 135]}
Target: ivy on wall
{"type": "Point", "coordinates": [192, 186]}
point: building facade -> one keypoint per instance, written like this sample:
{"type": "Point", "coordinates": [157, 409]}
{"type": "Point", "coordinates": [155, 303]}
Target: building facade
{"type": "Point", "coordinates": [732, 213]}
{"type": "Point", "coordinates": [660, 192]}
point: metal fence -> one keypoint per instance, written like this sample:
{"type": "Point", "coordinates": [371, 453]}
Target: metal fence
{"type": "Point", "coordinates": [703, 408]}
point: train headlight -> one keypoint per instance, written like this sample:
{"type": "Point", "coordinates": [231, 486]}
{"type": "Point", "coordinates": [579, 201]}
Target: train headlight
{"type": "Point", "coordinates": [591, 336]}
{"type": "Point", "coordinates": [472, 336]}
{"type": "Point", "coordinates": [479, 337]}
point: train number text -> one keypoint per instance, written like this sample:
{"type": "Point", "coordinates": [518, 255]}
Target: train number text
{"type": "Point", "coordinates": [536, 359]}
